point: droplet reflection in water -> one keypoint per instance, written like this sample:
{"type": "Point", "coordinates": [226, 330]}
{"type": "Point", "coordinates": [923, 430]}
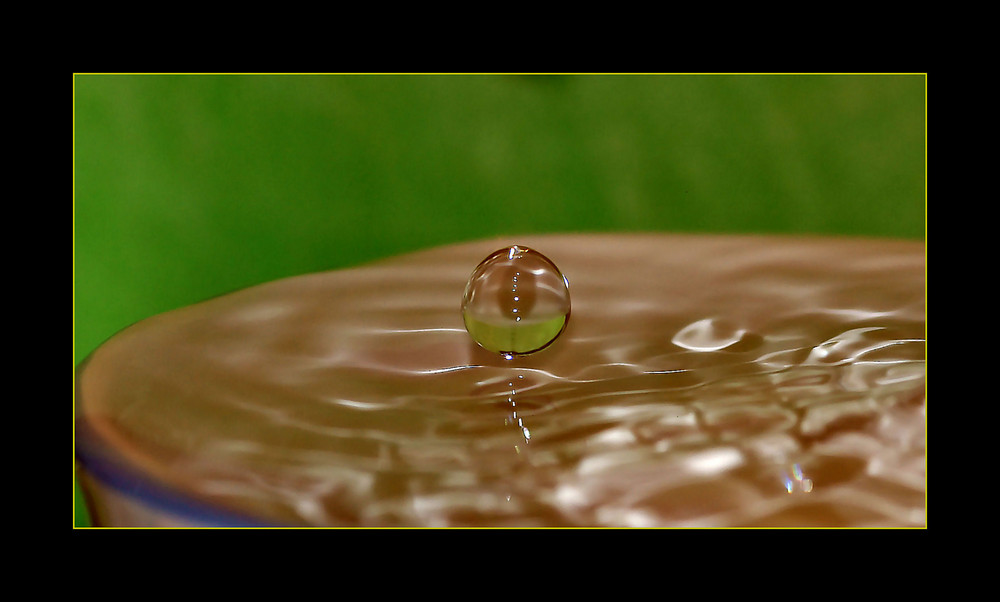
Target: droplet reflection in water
{"type": "Point", "coordinates": [516, 302]}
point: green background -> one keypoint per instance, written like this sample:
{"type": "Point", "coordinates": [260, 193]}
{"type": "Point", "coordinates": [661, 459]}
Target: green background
{"type": "Point", "coordinates": [189, 186]}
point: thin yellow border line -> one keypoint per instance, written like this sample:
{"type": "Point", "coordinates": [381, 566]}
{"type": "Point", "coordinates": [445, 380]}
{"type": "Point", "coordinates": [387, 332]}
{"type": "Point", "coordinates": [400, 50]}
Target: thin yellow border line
{"type": "Point", "coordinates": [75, 484]}
{"type": "Point", "coordinates": [780, 73]}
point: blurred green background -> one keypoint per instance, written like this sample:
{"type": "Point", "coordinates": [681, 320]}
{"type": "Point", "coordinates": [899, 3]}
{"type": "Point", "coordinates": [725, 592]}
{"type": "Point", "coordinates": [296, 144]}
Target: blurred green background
{"type": "Point", "coordinates": [189, 186]}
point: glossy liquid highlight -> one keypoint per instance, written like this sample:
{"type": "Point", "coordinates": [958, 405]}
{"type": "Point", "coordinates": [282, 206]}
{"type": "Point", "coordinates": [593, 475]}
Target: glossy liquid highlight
{"type": "Point", "coordinates": [702, 381]}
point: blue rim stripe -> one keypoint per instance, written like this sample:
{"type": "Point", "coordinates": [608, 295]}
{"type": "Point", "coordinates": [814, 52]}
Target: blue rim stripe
{"type": "Point", "coordinates": [94, 456]}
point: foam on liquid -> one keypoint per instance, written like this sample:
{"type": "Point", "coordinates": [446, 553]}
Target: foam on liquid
{"type": "Point", "coordinates": [703, 381]}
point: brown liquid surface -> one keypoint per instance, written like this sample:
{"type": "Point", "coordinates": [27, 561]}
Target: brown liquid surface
{"type": "Point", "coordinates": [702, 381]}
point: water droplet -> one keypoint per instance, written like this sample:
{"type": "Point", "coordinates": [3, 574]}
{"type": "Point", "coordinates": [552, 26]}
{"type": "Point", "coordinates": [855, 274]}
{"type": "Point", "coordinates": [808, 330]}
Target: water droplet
{"type": "Point", "coordinates": [516, 302]}
{"type": "Point", "coordinates": [797, 481]}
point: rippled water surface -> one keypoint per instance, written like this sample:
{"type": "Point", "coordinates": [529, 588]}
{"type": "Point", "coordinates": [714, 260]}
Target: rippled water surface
{"type": "Point", "coordinates": [702, 381]}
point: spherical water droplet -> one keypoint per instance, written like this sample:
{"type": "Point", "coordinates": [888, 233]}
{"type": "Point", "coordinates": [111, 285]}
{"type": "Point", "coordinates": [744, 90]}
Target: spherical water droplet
{"type": "Point", "coordinates": [516, 302]}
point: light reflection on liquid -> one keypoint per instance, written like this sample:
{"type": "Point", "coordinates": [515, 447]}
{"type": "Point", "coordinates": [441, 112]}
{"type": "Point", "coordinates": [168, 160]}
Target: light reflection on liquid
{"type": "Point", "coordinates": [703, 381]}
{"type": "Point", "coordinates": [797, 482]}
{"type": "Point", "coordinates": [514, 418]}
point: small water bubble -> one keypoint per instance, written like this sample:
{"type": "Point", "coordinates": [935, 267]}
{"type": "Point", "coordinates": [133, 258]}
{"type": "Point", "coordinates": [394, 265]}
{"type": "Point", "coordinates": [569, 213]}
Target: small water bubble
{"type": "Point", "coordinates": [709, 334]}
{"type": "Point", "coordinates": [797, 481]}
{"type": "Point", "coordinates": [516, 302]}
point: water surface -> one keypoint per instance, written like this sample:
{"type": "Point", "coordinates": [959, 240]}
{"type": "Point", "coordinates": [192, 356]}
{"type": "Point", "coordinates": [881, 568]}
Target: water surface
{"type": "Point", "coordinates": [702, 381]}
